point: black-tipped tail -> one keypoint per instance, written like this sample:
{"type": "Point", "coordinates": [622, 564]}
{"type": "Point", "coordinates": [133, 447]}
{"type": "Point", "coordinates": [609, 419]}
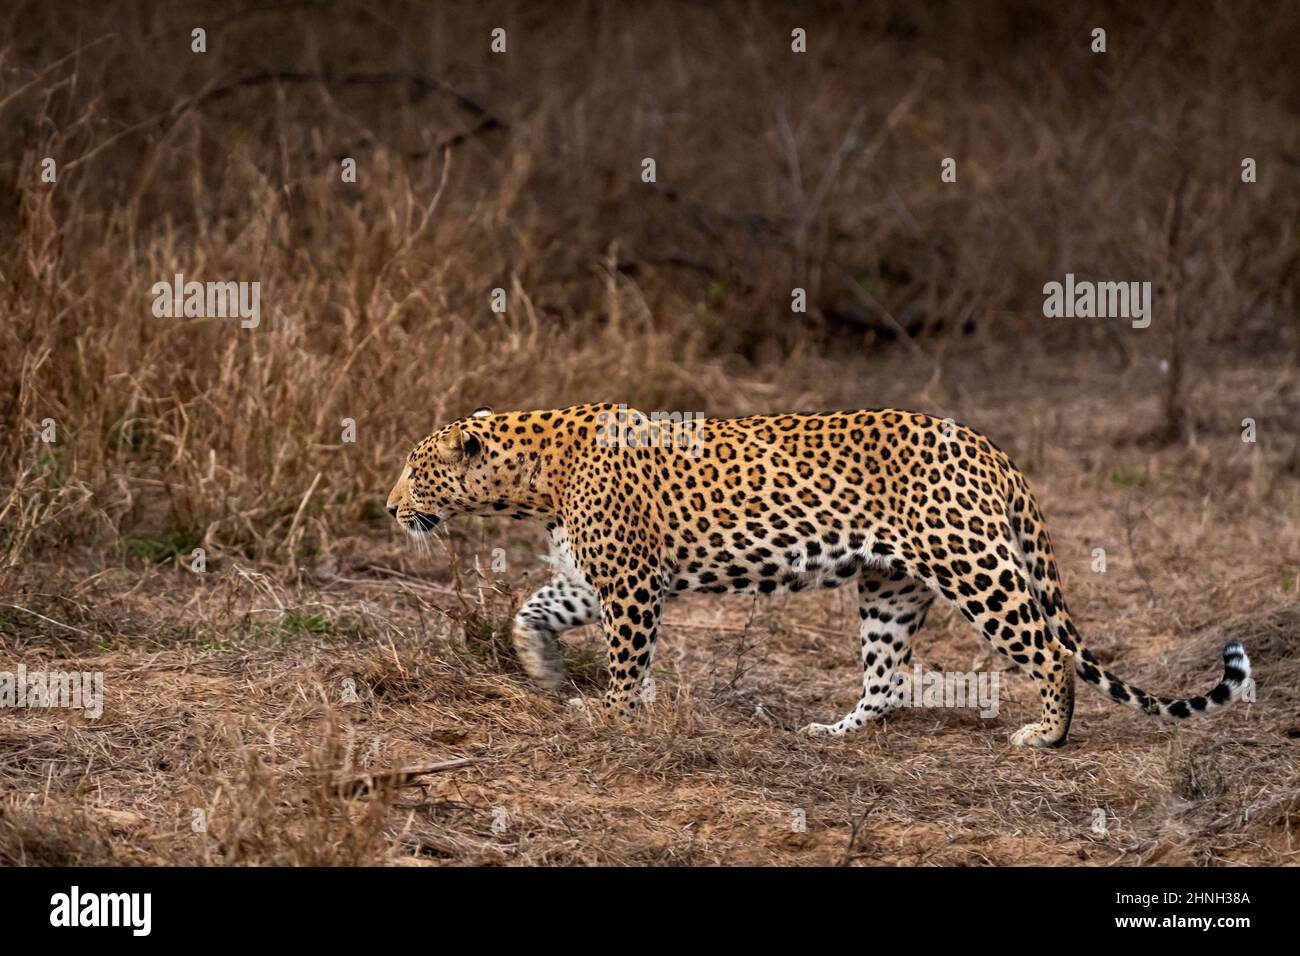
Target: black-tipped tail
{"type": "Point", "coordinates": [1235, 685]}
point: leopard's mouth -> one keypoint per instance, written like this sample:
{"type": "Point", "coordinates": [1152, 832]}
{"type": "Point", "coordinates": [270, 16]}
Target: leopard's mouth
{"type": "Point", "coordinates": [420, 522]}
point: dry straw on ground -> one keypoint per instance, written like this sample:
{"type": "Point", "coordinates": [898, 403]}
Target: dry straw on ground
{"type": "Point", "coordinates": [226, 689]}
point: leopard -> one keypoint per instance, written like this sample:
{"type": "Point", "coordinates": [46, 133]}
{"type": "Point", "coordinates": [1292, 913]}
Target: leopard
{"type": "Point", "coordinates": [906, 507]}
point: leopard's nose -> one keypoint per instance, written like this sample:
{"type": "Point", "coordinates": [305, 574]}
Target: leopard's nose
{"type": "Point", "coordinates": [392, 510]}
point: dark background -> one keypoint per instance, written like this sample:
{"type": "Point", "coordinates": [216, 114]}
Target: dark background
{"type": "Point", "coordinates": [522, 171]}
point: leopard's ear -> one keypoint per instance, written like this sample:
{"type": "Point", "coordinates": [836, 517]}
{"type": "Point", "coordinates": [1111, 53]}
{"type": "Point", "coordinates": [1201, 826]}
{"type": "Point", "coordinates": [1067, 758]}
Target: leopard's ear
{"type": "Point", "coordinates": [481, 412]}
{"type": "Point", "coordinates": [457, 444]}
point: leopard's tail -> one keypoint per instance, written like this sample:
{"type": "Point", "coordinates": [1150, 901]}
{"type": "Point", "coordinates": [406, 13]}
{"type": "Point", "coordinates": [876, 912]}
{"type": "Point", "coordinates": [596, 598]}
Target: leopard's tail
{"type": "Point", "coordinates": [1232, 687]}
{"type": "Point", "coordinates": [1030, 531]}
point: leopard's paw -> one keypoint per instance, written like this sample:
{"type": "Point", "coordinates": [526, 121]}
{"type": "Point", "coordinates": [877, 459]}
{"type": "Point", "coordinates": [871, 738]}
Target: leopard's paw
{"type": "Point", "coordinates": [818, 730]}
{"type": "Point", "coordinates": [539, 654]}
{"type": "Point", "coordinates": [1033, 734]}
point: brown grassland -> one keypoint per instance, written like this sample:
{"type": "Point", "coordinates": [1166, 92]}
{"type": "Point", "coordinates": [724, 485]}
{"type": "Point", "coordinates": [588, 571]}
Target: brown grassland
{"type": "Point", "coordinates": [325, 694]}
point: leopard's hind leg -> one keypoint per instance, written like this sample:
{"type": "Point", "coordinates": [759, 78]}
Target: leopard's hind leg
{"type": "Point", "coordinates": [999, 602]}
{"type": "Point", "coordinates": [891, 608]}
{"type": "Point", "coordinates": [992, 592]}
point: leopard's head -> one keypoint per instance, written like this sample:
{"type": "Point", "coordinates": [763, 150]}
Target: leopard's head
{"type": "Point", "coordinates": [446, 474]}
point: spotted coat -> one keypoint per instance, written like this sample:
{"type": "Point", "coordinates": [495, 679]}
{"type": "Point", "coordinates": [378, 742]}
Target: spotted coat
{"type": "Point", "coordinates": [905, 507]}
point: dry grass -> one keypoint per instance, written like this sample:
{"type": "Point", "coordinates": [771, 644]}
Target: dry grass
{"type": "Point", "coordinates": [225, 689]}
{"type": "Point", "coordinates": [225, 694]}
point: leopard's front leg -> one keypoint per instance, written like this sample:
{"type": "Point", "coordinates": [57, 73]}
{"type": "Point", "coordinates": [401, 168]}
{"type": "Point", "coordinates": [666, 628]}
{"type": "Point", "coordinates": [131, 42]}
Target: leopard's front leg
{"type": "Point", "coordinates": [631, 604]}
{"type": "Point", "coordinates": [616, 545]}
{"type": "Point", "coordinates": [563, 604]}
{"type": "Point", "coordinates": [632, 590]}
